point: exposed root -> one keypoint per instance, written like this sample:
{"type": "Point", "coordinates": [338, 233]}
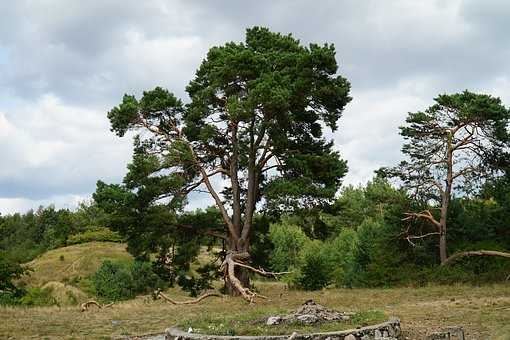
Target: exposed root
{"type": "Point", "coordinates": [159, 294]}
{"type": "Point", "coordinates": [457, 256]}
{"type": "Point", "coordinates": [228, 267]}
{"type": "Point", "coordinates": [85, 306]}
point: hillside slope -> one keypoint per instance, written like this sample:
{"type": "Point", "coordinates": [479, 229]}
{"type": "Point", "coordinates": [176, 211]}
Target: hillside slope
{"type": "Point", "coordinates": [77, 261]}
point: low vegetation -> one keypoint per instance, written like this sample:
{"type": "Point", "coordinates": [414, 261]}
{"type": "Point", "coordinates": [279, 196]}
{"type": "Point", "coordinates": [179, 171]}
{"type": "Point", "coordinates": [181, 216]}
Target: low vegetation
{"type": "Point", "coordinates": [254, 323]}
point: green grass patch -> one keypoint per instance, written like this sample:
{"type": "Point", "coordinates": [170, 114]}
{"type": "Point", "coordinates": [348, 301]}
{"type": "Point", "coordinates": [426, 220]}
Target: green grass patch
{"type": "Point", "coordinates": [254, 323]}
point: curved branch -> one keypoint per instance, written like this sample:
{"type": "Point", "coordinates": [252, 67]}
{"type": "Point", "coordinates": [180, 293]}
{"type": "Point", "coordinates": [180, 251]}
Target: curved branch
{"type": "Point", "coordinates": [426, 214]}
{"type": "Point", "coordinates": [457, 256]}
{"type": "Point", "coordinates": [85, 306]}
{"type": "Point", "coordinates": [159, 294]}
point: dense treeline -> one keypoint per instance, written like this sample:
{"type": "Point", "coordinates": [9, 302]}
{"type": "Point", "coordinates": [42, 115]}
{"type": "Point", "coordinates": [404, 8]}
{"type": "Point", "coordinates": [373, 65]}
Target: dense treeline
{"type": "Point", "coordinates": [24, 236]}
{"type": "Point", "coordinates": [361, 240]}
{"type": "Point", "coordinates": [369, 243]}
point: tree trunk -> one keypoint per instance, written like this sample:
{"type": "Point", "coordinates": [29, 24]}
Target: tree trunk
{"type": "Point", "coordinates": [442, 246]}
{"type": "Point", "coordinates": [443, 255]}
{"type": "Point", "coordinates": [240, 273]}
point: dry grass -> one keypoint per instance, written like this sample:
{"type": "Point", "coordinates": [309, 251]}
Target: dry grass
{"type": "Point", "coordinates": [79, 260]}
{"type": "Point", "coordinates": [66, 295]}
{"type": "Point", "coordinates": [483, 311]}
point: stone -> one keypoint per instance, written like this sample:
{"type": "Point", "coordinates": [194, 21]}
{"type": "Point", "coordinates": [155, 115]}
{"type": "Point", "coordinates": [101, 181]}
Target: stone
{"type": "Point", "coordinates": [273, 320]}
{"type": "Point", "coordinates": [378, 333]}
{"type": "Point", "coordinates": [350, 337]}
{"type": "Point", "coordinates": [307, 318]}
{"type": "Point", "coordinates": [391, 332]}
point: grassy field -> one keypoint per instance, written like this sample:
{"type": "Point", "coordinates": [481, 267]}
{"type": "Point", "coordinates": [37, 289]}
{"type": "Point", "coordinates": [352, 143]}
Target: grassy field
{"type": "Point", "coordinates": [483, 311]}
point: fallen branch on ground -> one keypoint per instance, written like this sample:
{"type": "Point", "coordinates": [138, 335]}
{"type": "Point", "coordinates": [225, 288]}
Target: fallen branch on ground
{"type": "Point", "coordinates": [457, 256]}
{"type": "Point", "coordinates": [85, 306]}
{"type": "Point", "coordinates": [159, 294]}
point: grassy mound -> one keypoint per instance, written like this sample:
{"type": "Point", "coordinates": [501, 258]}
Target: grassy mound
{"type": "Point", "coordinates": [73, 262]}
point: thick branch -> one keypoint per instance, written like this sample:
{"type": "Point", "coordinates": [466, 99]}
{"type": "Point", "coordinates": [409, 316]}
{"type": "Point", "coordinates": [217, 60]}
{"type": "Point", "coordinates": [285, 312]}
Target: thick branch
{"type": "Point", "coordinates": [457, 256]}
{"type": "Point", "coordinates": [214, 194]}
{"type": "Point", "coordinates": [424, 214]}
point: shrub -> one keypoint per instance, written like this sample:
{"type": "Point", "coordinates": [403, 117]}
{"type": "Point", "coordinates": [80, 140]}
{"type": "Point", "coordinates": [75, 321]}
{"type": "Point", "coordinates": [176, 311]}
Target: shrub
{"type": "Point", "coordinates": [288, 241]}
{"type": "Point", "coordinates": [100, 234]}
{"type": "Point", "coordinates": [341, 253]}
{"type": "Point", "coordinates": [38, 297]}
{"type": "Point", "coordinates": [115, 281]}
{"type": "Point", "coordinates": [144, 278]}
{"type": "Point", "coordinates": [315, 271]}
{"type": "Point", "coordinates": [9, 299]}
{"type": "Point", "coordinates": [10, 272]}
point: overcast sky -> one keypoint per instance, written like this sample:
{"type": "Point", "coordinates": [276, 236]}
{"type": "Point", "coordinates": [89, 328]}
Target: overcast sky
{"type": "Point", "coordinates": [64, 64]}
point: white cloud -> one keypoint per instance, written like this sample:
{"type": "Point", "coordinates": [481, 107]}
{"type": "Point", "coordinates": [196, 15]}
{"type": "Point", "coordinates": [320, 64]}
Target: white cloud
{"type": "Point", "coordinates": [50, 148]}
{"type": "Point", "coordinates": [13, 205]}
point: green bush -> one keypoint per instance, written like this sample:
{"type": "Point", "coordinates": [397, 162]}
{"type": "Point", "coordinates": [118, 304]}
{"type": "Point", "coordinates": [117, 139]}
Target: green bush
{"type": "Point", "coordinates": [115, 281]}
{"type": "Point", "coordinates": [144, 278]}
{"type": "Point", "coordinates": [9, 299]}
{"type": "Point", "coordinates": [99, 234]}
{"type": "Point", "coordinates": [288, 241]}
{"type": "Point", "coordinates": [316, 268]}
{"type": "Point", "coordinates": [38, 297]}
{"type": "Point", "coordinates": [10, 273]}
{"type": "Point", "coordinates": [341, 252]}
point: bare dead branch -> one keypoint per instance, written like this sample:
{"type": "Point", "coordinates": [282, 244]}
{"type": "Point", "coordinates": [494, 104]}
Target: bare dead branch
{"type": "Point", "coordinates": [457, 256]}
{"type": "Point", "coordinates": [426, 214]}
{"type": "Point", "coordinates": [85, 306]}
{"type": "Point", "coordinates": [260, 271]}
{"type": "Point", "coordinates": [413, 237]}
{"type": "Point", "coordinates": [159, 294]}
